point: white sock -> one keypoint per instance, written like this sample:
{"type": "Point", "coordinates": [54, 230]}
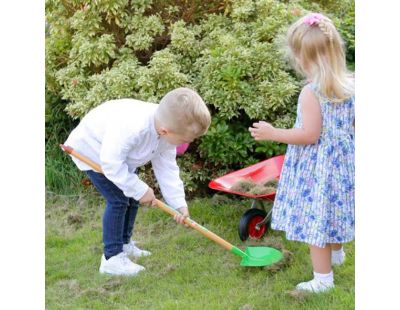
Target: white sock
{"type": "Point", "coordinates": [324, 277]}
{"type": "Point", "coordinates": [321, 282]}
{"type": "Point", "coordinates": [338, 257]}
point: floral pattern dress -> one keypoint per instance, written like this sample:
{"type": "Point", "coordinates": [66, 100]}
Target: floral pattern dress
{"type": "Point", "coordinates": [314, 202]}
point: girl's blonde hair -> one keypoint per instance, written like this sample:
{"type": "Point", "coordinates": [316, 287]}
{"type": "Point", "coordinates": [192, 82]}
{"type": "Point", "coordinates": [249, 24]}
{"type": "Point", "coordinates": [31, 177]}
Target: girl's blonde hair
{"type": "Point", "coordinates": [183, 111]}
{"type": "Point", "coordinates": [318, 52]}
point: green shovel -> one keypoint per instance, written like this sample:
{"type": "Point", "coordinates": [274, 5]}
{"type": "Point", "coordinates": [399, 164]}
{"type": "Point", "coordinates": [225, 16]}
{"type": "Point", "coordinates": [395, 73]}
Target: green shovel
{"type": "Point", "coordinates": [252, 257]}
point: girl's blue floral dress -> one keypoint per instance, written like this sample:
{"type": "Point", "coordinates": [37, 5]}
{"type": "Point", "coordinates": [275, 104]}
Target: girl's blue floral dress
{"type": "Point", "coordinates": [314, 202]}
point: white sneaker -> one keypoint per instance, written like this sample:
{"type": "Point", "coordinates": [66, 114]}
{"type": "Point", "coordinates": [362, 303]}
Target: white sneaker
{"type": "Point", "coordinates": [315, 286]}
{"type": "Point", "coordinates": [132, 250]}
{"type": "Point", "coordinates": [119, 265]}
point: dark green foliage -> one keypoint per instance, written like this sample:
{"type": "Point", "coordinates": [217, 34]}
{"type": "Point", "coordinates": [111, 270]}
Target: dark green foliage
{"type": "Point", "coordinates": [61, 175]}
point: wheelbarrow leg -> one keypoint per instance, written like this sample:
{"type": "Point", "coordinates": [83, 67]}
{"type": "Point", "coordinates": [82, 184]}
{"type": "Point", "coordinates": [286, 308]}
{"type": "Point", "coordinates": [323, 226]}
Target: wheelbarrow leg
{"type": "Point", "coordinates": [265, 220]}
{"type": "Point", "coordinates": [256, 202]}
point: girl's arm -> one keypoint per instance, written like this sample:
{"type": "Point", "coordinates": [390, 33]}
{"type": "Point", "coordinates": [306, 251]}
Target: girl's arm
{"type": "Point", "coordinates": [307, 134]}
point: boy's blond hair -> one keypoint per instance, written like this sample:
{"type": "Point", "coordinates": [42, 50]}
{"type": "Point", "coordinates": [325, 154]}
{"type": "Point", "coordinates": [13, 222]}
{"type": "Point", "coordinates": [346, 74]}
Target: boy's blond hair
{"type": "Point", "coordinates": [184, 112]}
{"type": "Point", "coordinates": [317, 51]}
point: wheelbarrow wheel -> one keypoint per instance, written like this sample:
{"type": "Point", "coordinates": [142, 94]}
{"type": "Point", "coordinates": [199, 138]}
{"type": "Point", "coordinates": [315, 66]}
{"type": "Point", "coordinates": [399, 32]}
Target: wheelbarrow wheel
{"type": "Point", "coordinates": [248, 222]}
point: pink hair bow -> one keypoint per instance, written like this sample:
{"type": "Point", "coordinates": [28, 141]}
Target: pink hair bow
{"type": "Point", "coordinates": [313, 18]}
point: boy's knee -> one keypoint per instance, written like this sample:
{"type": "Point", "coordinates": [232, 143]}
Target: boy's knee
{"type": "Point", "coordinates": [118, 202]}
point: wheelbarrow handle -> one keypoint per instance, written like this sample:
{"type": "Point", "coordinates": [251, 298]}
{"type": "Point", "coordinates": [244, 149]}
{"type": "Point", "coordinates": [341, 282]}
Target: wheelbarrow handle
{"type": "Point", "coordinates": [201, 229]}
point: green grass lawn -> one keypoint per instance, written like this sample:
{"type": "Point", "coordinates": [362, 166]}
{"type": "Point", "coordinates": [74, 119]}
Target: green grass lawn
{"type": "Point", "coordinates": [185, 271]}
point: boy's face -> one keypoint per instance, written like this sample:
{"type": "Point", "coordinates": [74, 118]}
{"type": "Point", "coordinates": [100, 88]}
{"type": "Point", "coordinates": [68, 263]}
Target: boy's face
{"type": "Point", "coordinates": [177, 139]}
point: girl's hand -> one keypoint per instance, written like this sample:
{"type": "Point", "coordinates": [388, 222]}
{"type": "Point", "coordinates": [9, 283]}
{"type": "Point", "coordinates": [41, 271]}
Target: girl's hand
{"type": "Point", "coordinates": [262, 131]}
{"type": "Point", "coordinates": [184, 214]}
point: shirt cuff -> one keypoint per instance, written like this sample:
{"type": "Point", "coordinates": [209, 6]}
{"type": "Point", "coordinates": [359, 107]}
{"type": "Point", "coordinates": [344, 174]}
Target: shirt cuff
{"type": "Point", "coordinates": [138, 191]}
{"type": "Point", "coordinates": [177, 203]}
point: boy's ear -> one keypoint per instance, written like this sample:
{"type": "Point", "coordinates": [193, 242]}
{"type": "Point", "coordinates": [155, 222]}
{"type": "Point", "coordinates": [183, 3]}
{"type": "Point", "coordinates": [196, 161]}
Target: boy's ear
{"type": "Point", "coordinates": [163, 131]}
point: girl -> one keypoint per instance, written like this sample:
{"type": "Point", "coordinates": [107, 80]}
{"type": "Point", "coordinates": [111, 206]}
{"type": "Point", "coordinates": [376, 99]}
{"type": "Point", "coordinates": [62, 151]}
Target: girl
{"type": "Point", "coordinates": [315, 199]}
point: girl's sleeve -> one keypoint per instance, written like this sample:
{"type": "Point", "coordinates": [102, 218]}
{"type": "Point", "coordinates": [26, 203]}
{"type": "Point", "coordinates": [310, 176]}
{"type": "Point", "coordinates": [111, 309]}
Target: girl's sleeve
{"type": "Point", "coordinates": [116, 144]}
{"type": "Point", "coordinates": [166, 171]}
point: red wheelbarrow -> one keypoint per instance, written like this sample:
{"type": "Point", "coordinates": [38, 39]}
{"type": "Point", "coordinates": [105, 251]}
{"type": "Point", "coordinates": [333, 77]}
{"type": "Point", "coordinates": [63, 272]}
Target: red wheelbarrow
{"type": "Point", "coordinates": [255, 222]}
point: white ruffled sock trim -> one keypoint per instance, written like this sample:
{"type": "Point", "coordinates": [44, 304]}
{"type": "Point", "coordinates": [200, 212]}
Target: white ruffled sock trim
{"type": "Point", "coordinates": [338, 257]}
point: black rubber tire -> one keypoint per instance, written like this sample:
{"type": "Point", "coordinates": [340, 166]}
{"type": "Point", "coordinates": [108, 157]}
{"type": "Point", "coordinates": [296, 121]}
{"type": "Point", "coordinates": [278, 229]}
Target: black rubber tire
{"type": "Point", "coordinates": [245, 220]}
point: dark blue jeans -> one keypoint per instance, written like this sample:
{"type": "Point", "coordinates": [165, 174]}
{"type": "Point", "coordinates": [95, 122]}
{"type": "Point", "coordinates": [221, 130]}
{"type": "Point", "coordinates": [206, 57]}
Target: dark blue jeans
{"type": "Point", "coordinates": [119, 215]}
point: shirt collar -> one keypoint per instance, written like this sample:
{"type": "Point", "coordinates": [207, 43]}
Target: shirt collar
{"type": "Point", "coordinates": [153, 130]}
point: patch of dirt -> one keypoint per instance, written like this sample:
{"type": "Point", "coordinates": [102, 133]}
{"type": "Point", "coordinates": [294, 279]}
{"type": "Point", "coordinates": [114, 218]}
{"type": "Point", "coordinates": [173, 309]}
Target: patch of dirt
{"type": "Point", "coordinates": [276, 243]}
{"type": "Point", "coordinates": [113, 284]}
{"type": "Point", "coordinates": [169, 268]}
{"type": "Point", "coordinates": [95, 292]}
{"type": "Point", "coordinates": [299, 295]}
{"type": "Point", "coordinates": [97, 249]}
{"type": "Point", "coordinates": [75, 219]}
{"type": "Point", "coordinates": [283, 263]}
{"type": "Point", "coordinates": [71, 285]}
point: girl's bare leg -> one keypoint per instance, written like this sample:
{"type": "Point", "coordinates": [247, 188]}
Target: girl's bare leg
{"type": "Point", "coordinates": [321, 258]}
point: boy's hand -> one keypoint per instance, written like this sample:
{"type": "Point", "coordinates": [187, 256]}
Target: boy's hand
{"type": "Point", "coordinates": [262, 131]}
{"type": "Point", "coordinates": [148, 198]}
{"type": "Point", "coordinates": [184, 214]}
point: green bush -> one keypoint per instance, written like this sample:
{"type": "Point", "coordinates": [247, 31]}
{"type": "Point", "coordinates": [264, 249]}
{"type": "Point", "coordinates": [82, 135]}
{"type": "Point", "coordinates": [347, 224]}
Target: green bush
{"type": "Point", "coordinates": [229, 51]}
{"type": "Point", "coordinates": [97, 47]}
{"type": "Point", "coordinates": [223, 146]}
{"type": "Point", "coordinates": [230, 145]}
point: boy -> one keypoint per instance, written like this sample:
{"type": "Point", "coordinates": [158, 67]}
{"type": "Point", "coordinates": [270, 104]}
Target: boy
{"type": "Point", "coordinates": [122, 135]}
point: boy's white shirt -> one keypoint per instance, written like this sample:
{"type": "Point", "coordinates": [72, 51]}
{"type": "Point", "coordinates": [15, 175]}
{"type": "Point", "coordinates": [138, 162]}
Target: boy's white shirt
{"type": "Point", "coordinates": [120, 135]}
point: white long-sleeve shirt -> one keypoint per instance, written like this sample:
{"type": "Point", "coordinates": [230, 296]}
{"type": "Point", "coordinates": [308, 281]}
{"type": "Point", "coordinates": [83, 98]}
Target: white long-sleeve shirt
{"type": "Point", "coordinates": [120, 135]}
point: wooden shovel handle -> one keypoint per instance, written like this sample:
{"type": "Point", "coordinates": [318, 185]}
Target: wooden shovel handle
{"type": "Point", "coordinates": [201, 229]}
{"type": "Point", "coordinates": [204, 231]}
{"type": "Point", "coordinates": [86, 160]}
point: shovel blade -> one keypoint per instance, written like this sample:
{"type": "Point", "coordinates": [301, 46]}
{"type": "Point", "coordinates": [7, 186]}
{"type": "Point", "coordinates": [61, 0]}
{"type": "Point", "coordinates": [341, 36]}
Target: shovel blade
{"type": "Point", "coordinates": [261, 256]}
